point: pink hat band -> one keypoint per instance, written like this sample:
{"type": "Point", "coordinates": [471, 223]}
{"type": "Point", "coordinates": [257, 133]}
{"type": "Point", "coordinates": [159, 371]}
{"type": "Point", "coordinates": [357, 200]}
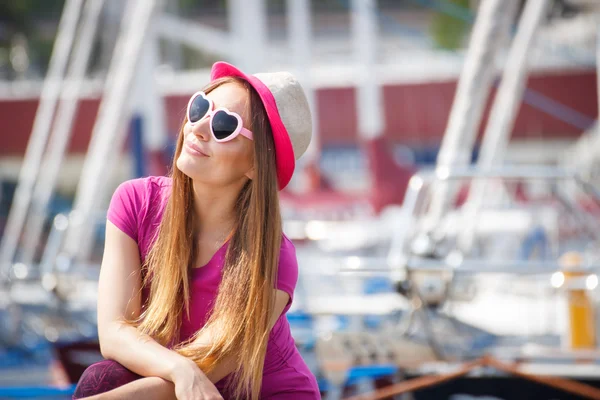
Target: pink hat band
{"type": "Point", "coordinates": [287, 110]}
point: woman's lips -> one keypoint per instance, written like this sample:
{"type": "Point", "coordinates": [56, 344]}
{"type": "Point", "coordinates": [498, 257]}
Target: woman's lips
{"type": "Point", "coordinates": [194, 149]}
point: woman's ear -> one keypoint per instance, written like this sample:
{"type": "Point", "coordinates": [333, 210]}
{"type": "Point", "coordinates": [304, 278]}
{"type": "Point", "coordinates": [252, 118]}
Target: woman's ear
{"type": "Point", "coordinates": [251, 173]}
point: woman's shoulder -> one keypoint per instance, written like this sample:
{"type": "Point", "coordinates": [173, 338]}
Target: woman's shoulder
{"type": "Point", "coordinates": [287, 247]}
{"type": "Point", "coordinates": [159, 181]}
{"type": "Point", "coordinates": [145, 189]}
{"type": "Point", "coordinates": [132, 199]}
{"type": "Point", "coordinates": [288, 263]}
{"type": "Point", "coordinates": [148, 183]}
{"type": "Point", "coordinates": [153, 191]}
{"type": "Point", "coordinates": [287, 272]}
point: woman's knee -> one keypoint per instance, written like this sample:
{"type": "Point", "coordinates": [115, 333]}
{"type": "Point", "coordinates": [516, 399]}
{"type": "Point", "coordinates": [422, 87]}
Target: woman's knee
{"type": "Point", "coordinates": [101, 377]}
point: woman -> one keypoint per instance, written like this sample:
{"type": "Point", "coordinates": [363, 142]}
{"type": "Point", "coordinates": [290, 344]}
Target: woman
{"type": "Point", "coordinates": [197, 275]}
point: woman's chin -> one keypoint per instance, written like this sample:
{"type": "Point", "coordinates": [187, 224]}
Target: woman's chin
{"type": "Point", "coordinates": [185, 166]}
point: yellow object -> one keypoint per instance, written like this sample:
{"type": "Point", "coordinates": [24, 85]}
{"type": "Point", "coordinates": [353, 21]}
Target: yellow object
{"type": "Point", "coordinates": [582, 327]}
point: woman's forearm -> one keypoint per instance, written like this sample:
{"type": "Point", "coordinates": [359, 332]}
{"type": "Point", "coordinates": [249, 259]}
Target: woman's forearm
{"type": "Point", "coordinates": [225, 367]}
{"type": "Point", "coordinates": [222, 369]}
{"type": "Point", "coordinates": [144, 356]}
{"type": "Point", "coordinates": [152, 388]}
{"type": "Point", "coordinates": [139, 353]}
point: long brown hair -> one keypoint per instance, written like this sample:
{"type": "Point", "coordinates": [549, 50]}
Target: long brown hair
{"type": "Point", "coordinates": [239, 323]}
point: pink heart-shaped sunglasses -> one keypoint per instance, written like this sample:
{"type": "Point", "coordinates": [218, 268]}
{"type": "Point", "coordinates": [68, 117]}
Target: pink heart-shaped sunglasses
{"type": "Point", "coordinates": [225, 125]}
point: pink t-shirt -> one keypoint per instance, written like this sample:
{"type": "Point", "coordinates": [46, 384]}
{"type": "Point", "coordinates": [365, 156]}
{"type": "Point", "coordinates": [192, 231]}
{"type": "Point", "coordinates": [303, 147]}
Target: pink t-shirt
{"type": "Point", "coordinates": [136, 209]}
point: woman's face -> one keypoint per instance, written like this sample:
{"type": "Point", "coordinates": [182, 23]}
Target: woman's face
{"type": "Point", "coordinates": [218, 164]}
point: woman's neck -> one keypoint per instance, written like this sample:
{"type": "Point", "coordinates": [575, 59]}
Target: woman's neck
{"type": "Point", "coordinates": [215, 207]}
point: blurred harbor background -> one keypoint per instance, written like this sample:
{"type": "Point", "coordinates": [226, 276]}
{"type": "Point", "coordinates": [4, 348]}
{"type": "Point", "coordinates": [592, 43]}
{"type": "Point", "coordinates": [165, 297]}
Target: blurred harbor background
{"type": "Point", "coordinates": [446, 214]}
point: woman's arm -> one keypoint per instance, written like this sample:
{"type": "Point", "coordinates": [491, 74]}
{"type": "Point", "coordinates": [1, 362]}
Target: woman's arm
{"type": "Point", "coordinates": [228, 365]}
{"type": "Point", "coordinates": [152, 388]}
{"type": "Point", "coordinates": [119, 298]}
{"type": "Point", "coordinates": [156, 388]}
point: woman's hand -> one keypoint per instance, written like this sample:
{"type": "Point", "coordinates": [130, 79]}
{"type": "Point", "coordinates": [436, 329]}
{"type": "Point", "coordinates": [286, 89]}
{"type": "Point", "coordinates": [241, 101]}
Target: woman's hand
{"type": "Point", "coordinates": [191, 383]}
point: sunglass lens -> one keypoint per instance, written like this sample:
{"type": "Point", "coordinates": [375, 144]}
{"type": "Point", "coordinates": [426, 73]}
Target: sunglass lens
{"type": "Point", "coordinates": [223, 124]}
{"type": "Point", "coordinates": [198, 109]}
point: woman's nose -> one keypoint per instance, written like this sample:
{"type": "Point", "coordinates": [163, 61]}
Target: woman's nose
{"type": "Point", "coordinates": [202, 128]}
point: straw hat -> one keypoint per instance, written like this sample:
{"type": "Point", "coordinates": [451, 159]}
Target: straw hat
{"type": "Point", "coordinates": [287, 110]}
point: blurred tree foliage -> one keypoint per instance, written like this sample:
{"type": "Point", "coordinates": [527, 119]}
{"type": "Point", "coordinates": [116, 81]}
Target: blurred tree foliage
{"type": "Point", "coordinates": [35, 20]}
{"type": "Point", "coordinates": [448, 31]}
{"type": "Point", "coordinates": [275, 5]}
{"type": "Point", "coordinates": [207, 5]}
{"type": "Point", "coordinates": [21, 14]}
